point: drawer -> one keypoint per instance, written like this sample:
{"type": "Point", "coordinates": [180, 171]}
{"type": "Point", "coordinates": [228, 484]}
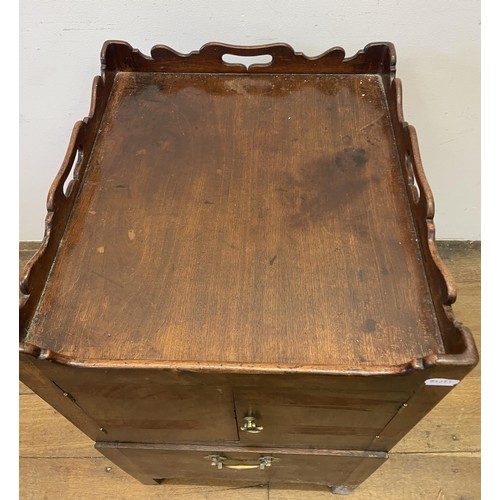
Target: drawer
{"type": "Point", "coordinates": [156, 464]}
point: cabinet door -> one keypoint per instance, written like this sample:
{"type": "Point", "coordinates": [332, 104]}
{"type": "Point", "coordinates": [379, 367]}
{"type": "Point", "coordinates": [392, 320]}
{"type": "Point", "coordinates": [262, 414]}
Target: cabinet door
{"type": "Point", "coordinates": [153, 407]}
{"type": "Point", "coordinates": [309, 417]}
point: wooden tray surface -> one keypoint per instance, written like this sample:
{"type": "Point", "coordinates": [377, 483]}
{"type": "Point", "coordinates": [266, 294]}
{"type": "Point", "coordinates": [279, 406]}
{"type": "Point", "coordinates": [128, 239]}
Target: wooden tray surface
{"type": "Point", "coordinates": [241, 217]}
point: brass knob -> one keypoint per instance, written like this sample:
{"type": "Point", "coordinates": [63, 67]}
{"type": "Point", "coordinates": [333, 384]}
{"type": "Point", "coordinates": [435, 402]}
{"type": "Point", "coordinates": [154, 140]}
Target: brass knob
{"type": "Point", "coordinates": [251, 426]}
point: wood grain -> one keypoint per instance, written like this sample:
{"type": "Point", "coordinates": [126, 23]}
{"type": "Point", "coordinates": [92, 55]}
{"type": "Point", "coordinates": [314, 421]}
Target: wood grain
{"type": "Point", "coordinates": [82, 477]}
{"type": "Point", "coordinates": [463, 259]}
{"type": "Point", "coordinates": [60, 201]}
{"type": "Point", "coordinates": [45, 432]}
{"type": "Point", "coordinates": [241, 244]}
{"type": "Point", "coordinates": [457, 339]}
{"type": "Point", "coordinates": [413, 477]}
{"type": "Point", "coordinates": [23, 389]}
{"type": "Point", "coordinates": [427, 463]}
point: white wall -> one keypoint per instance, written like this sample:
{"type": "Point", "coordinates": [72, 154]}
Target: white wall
{"type": "Point", "coordinates": [437, 43]}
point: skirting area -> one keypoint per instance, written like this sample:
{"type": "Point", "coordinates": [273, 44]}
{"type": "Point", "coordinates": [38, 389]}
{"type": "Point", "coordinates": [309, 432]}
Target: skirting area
{"type": "Point", "coordinates": [439, 459]}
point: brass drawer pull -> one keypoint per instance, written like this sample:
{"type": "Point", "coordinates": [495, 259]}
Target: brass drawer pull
{"type": "Point", "coordinates": [262, 463]}
{"type": "Point", "coordinates": [251, 426]}
{"type": "Point", "coordinates": [243, 466]}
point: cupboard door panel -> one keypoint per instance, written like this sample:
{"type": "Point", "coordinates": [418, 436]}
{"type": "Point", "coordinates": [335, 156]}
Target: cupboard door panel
{"type": "Point", "coordinates": [156, 411]}
{"type": "Point", "coordinates": [314, 418]}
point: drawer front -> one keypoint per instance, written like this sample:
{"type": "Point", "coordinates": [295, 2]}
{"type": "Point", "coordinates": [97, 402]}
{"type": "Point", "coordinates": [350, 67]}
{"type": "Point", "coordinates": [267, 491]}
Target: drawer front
{"type": "Point", "coordinates": [308, 417]}
{"type": "Point", "coordinates": [153, 464]}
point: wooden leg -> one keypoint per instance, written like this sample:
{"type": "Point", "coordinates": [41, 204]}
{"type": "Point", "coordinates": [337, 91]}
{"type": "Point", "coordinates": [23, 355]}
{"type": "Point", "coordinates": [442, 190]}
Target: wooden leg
{"type": "Point", "coordinates": [342, 489]}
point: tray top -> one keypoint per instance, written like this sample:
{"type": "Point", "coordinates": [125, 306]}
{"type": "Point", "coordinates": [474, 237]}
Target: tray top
{"type": "Point", "coordinates": [241, 218]}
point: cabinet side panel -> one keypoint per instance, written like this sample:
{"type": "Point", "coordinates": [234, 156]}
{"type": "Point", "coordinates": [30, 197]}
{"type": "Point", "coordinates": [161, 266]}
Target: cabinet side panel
{"type": "Point", "coordinates": [429, 393]}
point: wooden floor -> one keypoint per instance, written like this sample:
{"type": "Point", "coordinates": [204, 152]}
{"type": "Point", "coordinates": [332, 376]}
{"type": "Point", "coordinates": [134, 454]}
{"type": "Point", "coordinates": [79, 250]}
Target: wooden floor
{"type": "Point", "coordinates": [439, 459]}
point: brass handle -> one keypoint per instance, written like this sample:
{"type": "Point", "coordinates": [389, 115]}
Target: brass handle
{"type": "Point", "coordinates": [262, 463]}
{"type": "Point", "coordinates": [243, 466]}
{"type": "Point", "coordinates": [251, 426]}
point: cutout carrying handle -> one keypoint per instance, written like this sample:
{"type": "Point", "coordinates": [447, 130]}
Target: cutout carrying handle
{"type": "Point", "coordinates": [236, 55]}
{"type": "Point", "coordinates": [247, 61]}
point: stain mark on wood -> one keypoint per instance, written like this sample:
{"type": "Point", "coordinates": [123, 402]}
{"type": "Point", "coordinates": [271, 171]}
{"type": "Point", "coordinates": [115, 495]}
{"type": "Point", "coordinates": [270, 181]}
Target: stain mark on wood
{"type": "Point", "coordinates": [351, 157]}
{"type": "Point", "coordinates": [370, 325]}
